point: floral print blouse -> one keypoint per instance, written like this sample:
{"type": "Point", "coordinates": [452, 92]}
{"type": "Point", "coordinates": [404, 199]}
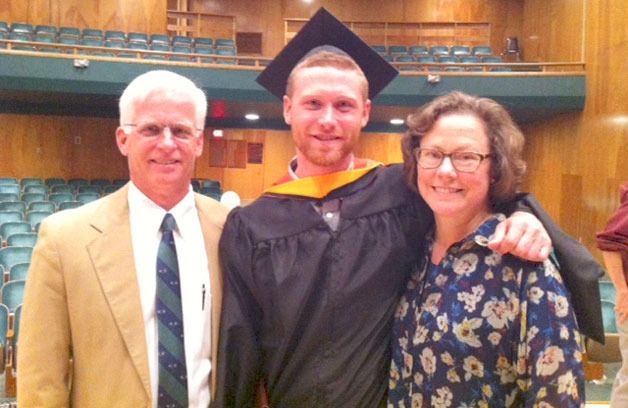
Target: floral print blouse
{"type": "Point", "coordinates": [485, 330]}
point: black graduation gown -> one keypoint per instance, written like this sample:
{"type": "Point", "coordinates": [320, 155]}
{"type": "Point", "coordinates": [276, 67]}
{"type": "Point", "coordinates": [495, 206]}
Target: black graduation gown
{"type": "Point", "coordinates": [309, 310]}
{"type": "Point", "coordinates": [313, 307]}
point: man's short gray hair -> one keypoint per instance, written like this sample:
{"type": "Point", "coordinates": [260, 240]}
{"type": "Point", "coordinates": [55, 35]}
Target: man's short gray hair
{"type": "Point", "coordinates": [166, 82]}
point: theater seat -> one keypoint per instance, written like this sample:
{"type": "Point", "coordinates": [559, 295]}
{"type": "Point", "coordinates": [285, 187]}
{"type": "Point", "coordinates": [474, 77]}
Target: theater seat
{"type": "Point", "coordinates": [92, 33]}
{"type": "Point", "coordinates": [23, 239]}
{"type": "Point", "coordinates": [76, 182]}
{"type": "Point", "coordinates": [607, 291]}
{"type": "Point", "coordinates": [10, 216]}
{"type": "Point", "coordinates": [380, 49]}
{"type": "Point", "coordinates": [8, 197]}
{"type": "Point", "coordinates": [58, 198]}
{"type": "Point", "coordinates": [446, 59]}
{"type": "Point", "coordinates": [48, 30]}
{"type": "Point", "coordinates": [418, 50]}
{"type": "Point", "coordinates": [397, 49]}
{"type": "Point", "coordinates": [482, 50]}
{"type": "Point", "coordinates": [69, 32]}
{"type": "Point", "coordinates": [141, 38]}
{"type": "Point", "coordinates": [470, 60]}
{"type": "Point", "coordinates": [31, 181]}
{"type": "Point", "coordinates": [53, 181]}
{"type": "Point", "coordinates": [99, 182]}
{"type": "Point", "coordinates": [89, 189]}
{"type": "Point", "coordinates": [492, 59]}
{"type": "Point", "coordinates": [42, 206]}
{"type": "Point", "coordinates": [181, 40]}
{"type": "Point", "coordinates": [10, 188]}
{"type": "Point", "coordinates": [437, 50]}
{"type": "Point", "coordinates": [66, 205]}
{"type": "Point", "coordinates": [14, 255]}
{"type": "Point", "coordinates": [115, 36]}
{"type": "Point", "coordinates": [87, 197]}
{"type": "Point", "coordinates": [34, 218]}
{"type": "Point", "coordinates": [13, 227]}
{"type": "Point", "coordinates": [13, 206]}
{"type": "Point", "coordinates": [18, 272]}
{"type": "Point", "coordinates": [159, 39]}
{"type": "Point", "coordinates": [8, 180]}
{"type": "Point", "coordinates": [22, 28]}
{"type": "Point", "coordinates": [28, 198]}
{"type": "Point", "coordinates": [61, 188]}
{"type": "Point", "coordinates": [224, 42]}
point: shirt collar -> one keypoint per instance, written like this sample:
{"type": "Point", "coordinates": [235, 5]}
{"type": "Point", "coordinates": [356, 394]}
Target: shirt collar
{"type": "Point", "coordinates": [153, 214]}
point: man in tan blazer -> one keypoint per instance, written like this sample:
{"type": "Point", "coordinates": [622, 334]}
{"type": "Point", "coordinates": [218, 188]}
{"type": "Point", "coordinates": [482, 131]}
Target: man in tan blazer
{"type": "Point", "coordinates": [90, 333]}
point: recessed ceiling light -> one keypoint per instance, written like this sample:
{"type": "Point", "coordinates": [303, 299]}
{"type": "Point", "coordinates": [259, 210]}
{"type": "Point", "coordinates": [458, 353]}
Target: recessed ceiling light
{"type": "Point", "coordinates": [217, 133]}
{"type": "Point", "coordinates": [251, 116]}
{"type": "Point", "coordinates": [396, 121]}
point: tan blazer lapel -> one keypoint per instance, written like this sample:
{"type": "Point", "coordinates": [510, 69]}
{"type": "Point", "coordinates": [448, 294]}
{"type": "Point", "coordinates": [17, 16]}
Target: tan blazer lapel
{"type": "Point", "coordinates": [212, 217]}
{"type": "Point", "coordinates": [112, 256]}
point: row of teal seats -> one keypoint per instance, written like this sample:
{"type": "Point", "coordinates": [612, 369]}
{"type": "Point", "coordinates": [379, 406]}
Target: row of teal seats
{"type": "Point", "coordinates": [32, 218]}
{"type": "Point", "coordinates": [28, 181]}
{"type": "Point", "coordinates": [155, 52]}
{"type": "Point", "coordinates": [112, 35]}
{"type": "Point", "coordinates": [57, 198]}
{"type": "Point", "coordinates": [10, 229]}
{"type": "Point", "coordinates": [446, 59]}
{"type": "Point", "coordinates": [39, 202]}
{"type": "Point", "coordinates": [100, 42]}
{"type": "Point", "coordinates": [51, 183]}
{"type": "Point", "coordinates": [57, 188]}
{"type": "Point", "coordinates": [20, 239]}
{"type": "Point", "coordinates": [410, 68]}
{"type": "Point", "coordinates": [429, 59]}
{"type": "Point", "coordinates": [455, 50]}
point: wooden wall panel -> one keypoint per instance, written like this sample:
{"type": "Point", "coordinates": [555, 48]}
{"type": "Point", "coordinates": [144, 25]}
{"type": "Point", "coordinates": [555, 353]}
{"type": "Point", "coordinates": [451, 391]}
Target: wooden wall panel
{"type": "Point", "coordinates": [266, 16]}
{"type": "Point", "coordinates": [553, 30]}
{"type": "Point", "coordinates": [44, 146]}
{"type": "Point", "coordinates": [577, 161]}
{"type": "Point", "coordinates": [383, 147]}
{"type": "Point", "coordinates": [140, 15]}
{"type": "Point", "coordinates": [278, 150]}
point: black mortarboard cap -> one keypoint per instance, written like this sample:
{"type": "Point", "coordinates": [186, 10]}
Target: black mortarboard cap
{"type": "Point", "coordinates": [324, 29]}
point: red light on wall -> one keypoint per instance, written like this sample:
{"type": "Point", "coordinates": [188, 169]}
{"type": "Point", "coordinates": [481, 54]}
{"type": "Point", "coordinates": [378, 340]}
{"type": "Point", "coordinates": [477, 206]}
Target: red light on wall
{"type": "Point", "coordinates": [218, 109]}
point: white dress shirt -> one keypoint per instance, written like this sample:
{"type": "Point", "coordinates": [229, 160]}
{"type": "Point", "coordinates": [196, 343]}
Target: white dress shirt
{"type": "Point", "coordinates": [145, 219]}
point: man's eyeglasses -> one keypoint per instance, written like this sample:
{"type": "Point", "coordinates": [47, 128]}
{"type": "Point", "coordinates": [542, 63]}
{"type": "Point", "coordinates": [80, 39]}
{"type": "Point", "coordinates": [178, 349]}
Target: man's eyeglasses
{"type": "Point", "coordinates": [466, 162]}
{"type": "Point", "coordinates": [179, 131]}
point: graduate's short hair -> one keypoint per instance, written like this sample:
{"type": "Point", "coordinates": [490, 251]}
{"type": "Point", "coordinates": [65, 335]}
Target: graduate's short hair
{"type": "Point", "coordinates": [164, 82]}
{"type": "Point", "coordinates": [505, 139]}
{"type": "Point", "coordinates": [333, 57]}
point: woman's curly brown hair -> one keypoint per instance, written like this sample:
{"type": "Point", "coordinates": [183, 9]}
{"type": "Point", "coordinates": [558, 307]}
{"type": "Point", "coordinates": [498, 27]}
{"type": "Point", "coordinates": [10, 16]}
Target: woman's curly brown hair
{"type": "Point", "coordinates": [505, 139]}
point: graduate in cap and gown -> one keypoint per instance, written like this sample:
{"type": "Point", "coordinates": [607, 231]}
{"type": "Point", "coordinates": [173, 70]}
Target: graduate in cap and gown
{"type": "Point", "coordinates": [314, 268]}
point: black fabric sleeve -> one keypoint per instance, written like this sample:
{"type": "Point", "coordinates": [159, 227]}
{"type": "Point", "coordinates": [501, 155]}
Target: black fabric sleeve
{"type": "Point", "coordinates": [577, 266]}
{"type": "Point", "coordinates": [238, 368]}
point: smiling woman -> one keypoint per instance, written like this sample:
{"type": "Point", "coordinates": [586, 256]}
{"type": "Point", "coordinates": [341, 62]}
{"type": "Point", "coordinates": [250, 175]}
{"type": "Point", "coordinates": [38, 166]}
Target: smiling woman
{"type": "Point", "coordinates": [504, 325]}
